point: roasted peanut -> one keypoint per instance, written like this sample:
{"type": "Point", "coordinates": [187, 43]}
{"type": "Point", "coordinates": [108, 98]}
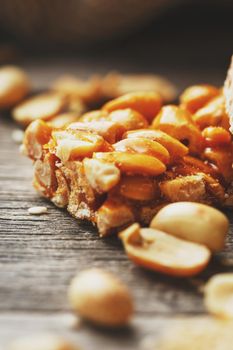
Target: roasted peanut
{"type": "Point", "coordinates": [101, 176]}
{"type": "Point", "coordinates": [139, 188]}
{"type": "Point", "coordinates": [212, 114]}
{"type": "Point", "coordinates": [175, 148]}
{"type": "Point", "coordinates": [195, 97]}
{"type": "Point", "coordinates": [44, 106]}
{"type": "Point", "coordinates": [159, 251]}
{"type": "Point", "coordinates": [37, 134]}
{"type": "Point", "coordinates": [133, 163]}
{"type": "Point", "coordinates": [178, 123]}
{"type": "Point", "coordinates": [143, 146]}
{"type": "Point", "coordinates": [42, 342]}
{"type": "Point", "coordinates": [128, 118]}
{"type": "Point", "coordinates": [146, 103]}
{"type": "Point", "coordinates": [74, 144]}
{"type": "Point", "coordinates": [194, 222]}
{"type": "Point", "coordinates": [218, 295]}
{"type": "Point", "coordinates": [14, 86]}
{"type": "Point", "coordinates": [101, 298]}
{"type": "Point", "coordinates": [216, 136]}
{"type": "Point", "coordinates": [110, 131]}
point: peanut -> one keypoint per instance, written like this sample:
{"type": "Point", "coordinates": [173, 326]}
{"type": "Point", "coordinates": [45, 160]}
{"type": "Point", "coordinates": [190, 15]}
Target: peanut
{"type": "Point", "coordinates": [101, 298]}
{"type": "Point", "coordinates": [159, 251]}
{"type": "Point", "coordinates": [178, 123]}
{"type": "Point", "coordinates": [194, 222]}
{"type": "Point", "coordinates": [216, 136]}
{"type": "Point", "coordinates": [44, 106]}
{"type": "Point", "coordinates": [74, 144]}
{"type": "Point", "coordinates": [143, 146]}
{"type": "Point", "coordinates": [219, 295]}
{"type": "Point", "coordinates": [175, 148]}
{"type": "Point", "coordinates": [195, 97]}
{"type": "Point", "coordinates": [146, 103]}
{"type": "Point", "coordinates": [128, 118]}
{"type": "Point", "coordinates": [63, 120]}
{"type": "Point", "coordinates": [212, 114]}
{"type": "Point", "coordinates": [14, 86]}
{"type": "Point", "coordinates": [133, 163]}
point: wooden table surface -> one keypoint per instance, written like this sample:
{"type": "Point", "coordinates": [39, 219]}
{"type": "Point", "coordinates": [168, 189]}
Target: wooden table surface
{"type": "Point", "coordinates": [40, 254]}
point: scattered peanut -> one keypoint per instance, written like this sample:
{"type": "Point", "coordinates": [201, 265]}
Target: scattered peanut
{"type": "Point", "coordinates": [159, 251]}
{"type": "Point", "coordinates": [101, 298]}
{"type": "Point", "coordinates": [41, 342]}
{"type": "Point", "coordinates": [218, 294]}
{"type": "Point", "coordinates": [194, 222]}
{"type": "Point", "coordinates": [44, 106]}
{"type": "Point", "coordinates": [14, 86]}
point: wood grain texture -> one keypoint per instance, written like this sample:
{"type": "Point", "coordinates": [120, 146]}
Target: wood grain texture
{"type": "Point", "coordinates": [40, 254]}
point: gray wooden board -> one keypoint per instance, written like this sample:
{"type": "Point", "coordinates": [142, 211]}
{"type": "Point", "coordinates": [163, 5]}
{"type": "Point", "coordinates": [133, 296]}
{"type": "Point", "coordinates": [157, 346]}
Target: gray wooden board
{"type": "Point", "coordinates": [40, 254]}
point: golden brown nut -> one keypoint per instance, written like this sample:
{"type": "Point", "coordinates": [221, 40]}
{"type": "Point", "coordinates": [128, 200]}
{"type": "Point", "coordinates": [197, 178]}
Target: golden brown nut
{"type": "Point", "coordinates": [178, 123]}
{"type": "Point", "coordinates": [218, 295]}
{"type": "Point", "coordinates": [175, 148]}
{"type": "Point", "coordinates": [128, 118]}
{"type": "Point", "coordinates": [146, 103]}
{"type": "Point", "coordinates": [75, 144]}
{"type": "Point", "coordinates": [194, 222]}
{"type": "Point", "coordinates": [14, 86]}
{"type": "Point", "coordinates": [133, 163]}
{"type": "Point", "coordinates": [159, 251]}
{"type": "Point", "coordinates": [101, 298]}
{"type": "Point", "coordinates": [44, 106]}
{"type": "Point", "coordinates": [195, 97]}
{"type": "Point", "coordinates": [212, 114]}
{"type": "Point", "coordinates": [143, 146]}
{"type": "Point", "coordinates": [216, 136]}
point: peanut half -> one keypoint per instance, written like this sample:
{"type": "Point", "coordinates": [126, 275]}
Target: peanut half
{"type": "Point", "coordinates": [219, 295]}
{"type": "Point", "coordinates": [194, 222]}
{"type": "Point", "coordinates": [101, 298]}
{"type": "Point", "coordinates": [44, 106]}
{"type": "Point", "coordinates": [146, 103]}
{"type": "Point", "coordinates": [159, 251]}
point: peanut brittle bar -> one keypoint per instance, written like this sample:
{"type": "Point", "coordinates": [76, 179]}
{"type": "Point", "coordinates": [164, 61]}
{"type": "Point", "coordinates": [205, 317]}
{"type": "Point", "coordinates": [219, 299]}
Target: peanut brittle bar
{"type": "Point", "coordinates": [122, 163]}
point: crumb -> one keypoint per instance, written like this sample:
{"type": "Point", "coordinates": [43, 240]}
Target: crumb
{"type": "Point", "coordinates": [17, 135]}
{"type": "Point", "coordinates": [37, 210]}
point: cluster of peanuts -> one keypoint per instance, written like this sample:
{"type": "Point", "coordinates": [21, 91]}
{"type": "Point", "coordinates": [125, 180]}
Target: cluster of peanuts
{"type": "Point", "coordinates": [127, 163]}
{"type": "Point", "coordinates": [122, 163]}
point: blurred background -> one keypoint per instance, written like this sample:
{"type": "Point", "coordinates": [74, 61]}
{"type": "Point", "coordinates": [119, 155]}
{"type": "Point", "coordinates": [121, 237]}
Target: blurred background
{"type": "Point", "coordinates": [186, 41]}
